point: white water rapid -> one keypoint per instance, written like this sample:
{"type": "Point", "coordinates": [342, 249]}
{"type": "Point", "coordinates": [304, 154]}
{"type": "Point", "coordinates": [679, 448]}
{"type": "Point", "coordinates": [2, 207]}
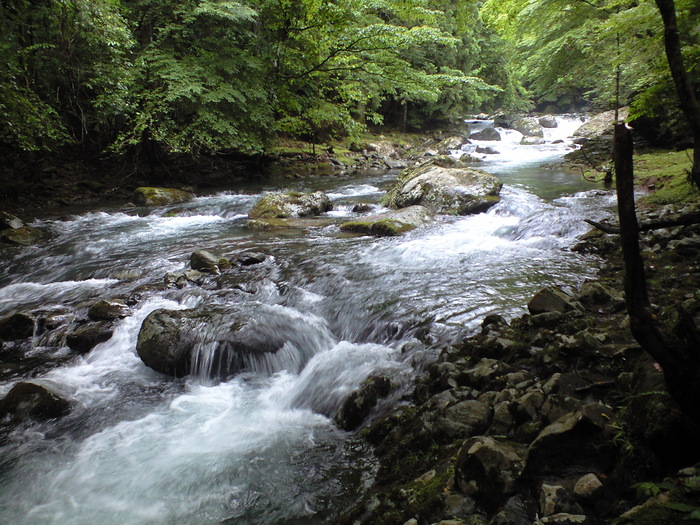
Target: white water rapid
{"type": "Point", "coordinates": [260, 447]}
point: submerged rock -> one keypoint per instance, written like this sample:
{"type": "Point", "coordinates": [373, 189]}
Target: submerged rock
{"type": "Point", "coordinates": [450, 190]}
{"type": "Point", "coordinates": [390, 223]}
{"type": "Point", "coordinates": [26, 400]}
{"type": "Point", "coordinates": [149, 196]}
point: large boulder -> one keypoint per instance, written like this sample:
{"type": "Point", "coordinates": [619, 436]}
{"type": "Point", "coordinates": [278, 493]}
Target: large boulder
{"type": "Point", "coordinates": [31, 400]}
{"type": "Point", "coordinates": [450, 190]}
{"type": "Point", "coordinates": [528, 126]}
{"type": "Point", "coordinates": [552, 299]}
{"type": "Point", "coordinates": [220, 342]}
{"type": "Point", "coordinates": [149, 196]}
{"type": "Point", "coordinates": [292, 205]}
{"type": "Point", "coordinates": [390, 223]}
{"type": "Point", "coordinates": [359, 405]}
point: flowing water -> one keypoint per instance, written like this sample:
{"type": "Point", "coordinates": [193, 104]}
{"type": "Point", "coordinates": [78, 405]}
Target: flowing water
{"type": "Point", "coordinates": [260, 447]}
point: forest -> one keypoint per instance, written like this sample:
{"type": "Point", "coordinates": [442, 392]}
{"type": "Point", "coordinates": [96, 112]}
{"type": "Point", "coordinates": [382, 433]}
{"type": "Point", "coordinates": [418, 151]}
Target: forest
{"type": "Point", "coordinates": [84, 78]}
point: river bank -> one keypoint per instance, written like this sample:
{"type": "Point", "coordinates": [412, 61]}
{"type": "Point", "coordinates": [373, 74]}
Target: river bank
{"type": "Point", "coordinates": [557, 417]}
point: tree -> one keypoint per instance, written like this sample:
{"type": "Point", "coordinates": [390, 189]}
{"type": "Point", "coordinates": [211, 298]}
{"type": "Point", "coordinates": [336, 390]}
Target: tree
{"type": "Point", "coordinates": [684, 86]}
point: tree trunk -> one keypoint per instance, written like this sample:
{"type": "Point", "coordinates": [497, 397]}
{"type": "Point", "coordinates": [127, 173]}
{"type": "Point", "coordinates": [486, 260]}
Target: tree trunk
{"type": "Point", "coordinates": [684, 86]}
{"type": "Point", "coordinates": [677, 352]}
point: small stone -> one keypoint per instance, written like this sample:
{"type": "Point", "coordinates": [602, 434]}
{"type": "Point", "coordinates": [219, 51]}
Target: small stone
{"type": "Point", "coordinates": [587, 486]}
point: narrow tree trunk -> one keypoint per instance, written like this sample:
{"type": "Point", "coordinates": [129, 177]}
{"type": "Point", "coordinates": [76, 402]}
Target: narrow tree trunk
{"type": "Point", "coordinates": [684, 86]}
{"type": "Point", "coordinates": [677, 353]}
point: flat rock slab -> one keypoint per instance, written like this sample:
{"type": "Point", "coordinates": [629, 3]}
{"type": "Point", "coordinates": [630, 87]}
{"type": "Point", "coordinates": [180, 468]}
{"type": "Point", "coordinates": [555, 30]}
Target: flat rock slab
{"type": "Point", "coordinates": [391, 223]}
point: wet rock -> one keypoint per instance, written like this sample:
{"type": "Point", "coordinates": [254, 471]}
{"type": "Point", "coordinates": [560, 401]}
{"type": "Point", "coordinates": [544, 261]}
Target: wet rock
{"type": "Point", "coordinates": [390, 223]}
{"type": "Point", "coordinates": [450, 190]}
{"type": "Point", "coordinates": [86, 337]}
{"type": "Point", "coordinates": [108, 310]}
{"type": "Point", "coordinates": [487, 150]}
{"type": "Point", "coordinates": [250, 258]}
{"type": "Point", "coordinates": [552, 299]}
{"type": "Point", "coordinates": [451, 143]}
{"type": "Point", "coordinates": [17, 326]}
{"type": "Point", "coordinates": [292, 205]}
{"type": "Point", "coordinates": [29, 400]}
{"type": "Point", "coordinates": [395, 164]}
{"type": "Point", "coordinates": [162, 345]}
{"type": "Point", "coordinates": [24, 236]}
{"type": "Point", "coordinates": [489, 469]}
{"type": "Point", "coordinates": [502, 423]}
{"type": "Point", "coordinates": [149, 196]}
{"type": "Point", "coordinates": [490, 134]}
{"type": "Point", "coordinates": [204, 261]}
{"type": "Point", "coordinates": [528, 126]}
{"type": "Point", "coordinates": [359, 405]}
{"type": "Point", "coordinates": [532, 141]}
{"type": "Point", "coordinates": [222, 341]}
{"type": "Point", "coordinates": [548, 121]}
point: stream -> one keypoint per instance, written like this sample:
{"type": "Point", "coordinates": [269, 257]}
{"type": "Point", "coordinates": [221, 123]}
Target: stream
{"type": "Point", "coordinates": [261, 447]}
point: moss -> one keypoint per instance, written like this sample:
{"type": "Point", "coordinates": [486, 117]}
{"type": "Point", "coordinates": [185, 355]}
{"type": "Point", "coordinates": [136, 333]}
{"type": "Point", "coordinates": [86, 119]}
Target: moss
{"type": "Point", "coordinates": [381, 228]}
{"type": "Point", "coordinates": [666, 174]}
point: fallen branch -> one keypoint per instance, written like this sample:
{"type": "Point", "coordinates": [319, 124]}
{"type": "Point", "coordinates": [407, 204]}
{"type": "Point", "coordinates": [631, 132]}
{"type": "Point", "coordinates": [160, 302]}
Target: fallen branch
{"type": "Point", "coordinates": [678, 219]}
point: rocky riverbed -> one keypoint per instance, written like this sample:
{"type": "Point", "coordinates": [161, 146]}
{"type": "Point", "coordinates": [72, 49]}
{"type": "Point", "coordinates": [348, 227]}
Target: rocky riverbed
{"type": "Point", "coordinates": [556, 417]}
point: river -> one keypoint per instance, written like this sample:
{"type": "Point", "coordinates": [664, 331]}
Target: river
{"type": "Point", "coordinates": [261, 447]}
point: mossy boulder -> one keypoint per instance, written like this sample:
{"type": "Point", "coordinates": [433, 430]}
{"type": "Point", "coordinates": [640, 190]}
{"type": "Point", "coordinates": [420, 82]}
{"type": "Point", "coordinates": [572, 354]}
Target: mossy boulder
{"type": "Point", "coordinates": [389, 224]}
{"type": "Point", "coordinates": [149, 196]}
{"type": "Point", "coordinates": [292, 205]}
{"type": "Point", "coordinates": [453, 190]}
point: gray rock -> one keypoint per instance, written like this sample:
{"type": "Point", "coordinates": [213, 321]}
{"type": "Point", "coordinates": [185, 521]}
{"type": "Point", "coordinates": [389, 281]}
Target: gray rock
{"type": "Point", "coordinates": [555, 499]}
{"type": "Point", "coordinates": [24, 236]}
{"type": "Point", "coordinates": [359, 405]}
{"type": "Point", "coordinates": [552, 299]}
{"type": "Point", "coordinates": [528, 126]}
{"type": "Point", "coordinates": [569, 444]}
{"type": "Point", "coordinates": [518, 510]}
{"type": "Point", "coordinates": [250, 258]}
{"type": "Point", "coordinates": [532, 141]}
{"type": "Point", "coordinates": [486, 134]}
{"type": "Point", "coordinates": [596, 293]}
{"type": "Point", "coordinates": [9, 221]}
{"type": "Point", "coordinates": [17, 326]}
{"type": "Point", "coordinates": [454, 191]}
{"type": "Point", "coordinates": [486, 150]}
{"type": "Point", "coordinates": [204, 261]}
{"type": "Point", "coordinates": [108, 310]}
{"type": "Point", "coordinates": [449, 144]}
{"type": "Point", "coordinates": [29, 400]}
{"type": "Point", "coordinates": [489, 469]}
{"type": "Point", "coordinates": [548, 121]}
{"type": "Point", "coordinates": [587, 487]}
{"type": "Point", "coordinates": [149, 196]}
{"type": "Point", "coordinates": [292, 205]}
{"type": "Point", "coordinates": [390, 223]}
{"type": "Point", "coordinates": [88, 336]}
{"type": "Point", "coordinates": [464, 419]}
{"type": "Point", "coordinates": [563, 519]}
